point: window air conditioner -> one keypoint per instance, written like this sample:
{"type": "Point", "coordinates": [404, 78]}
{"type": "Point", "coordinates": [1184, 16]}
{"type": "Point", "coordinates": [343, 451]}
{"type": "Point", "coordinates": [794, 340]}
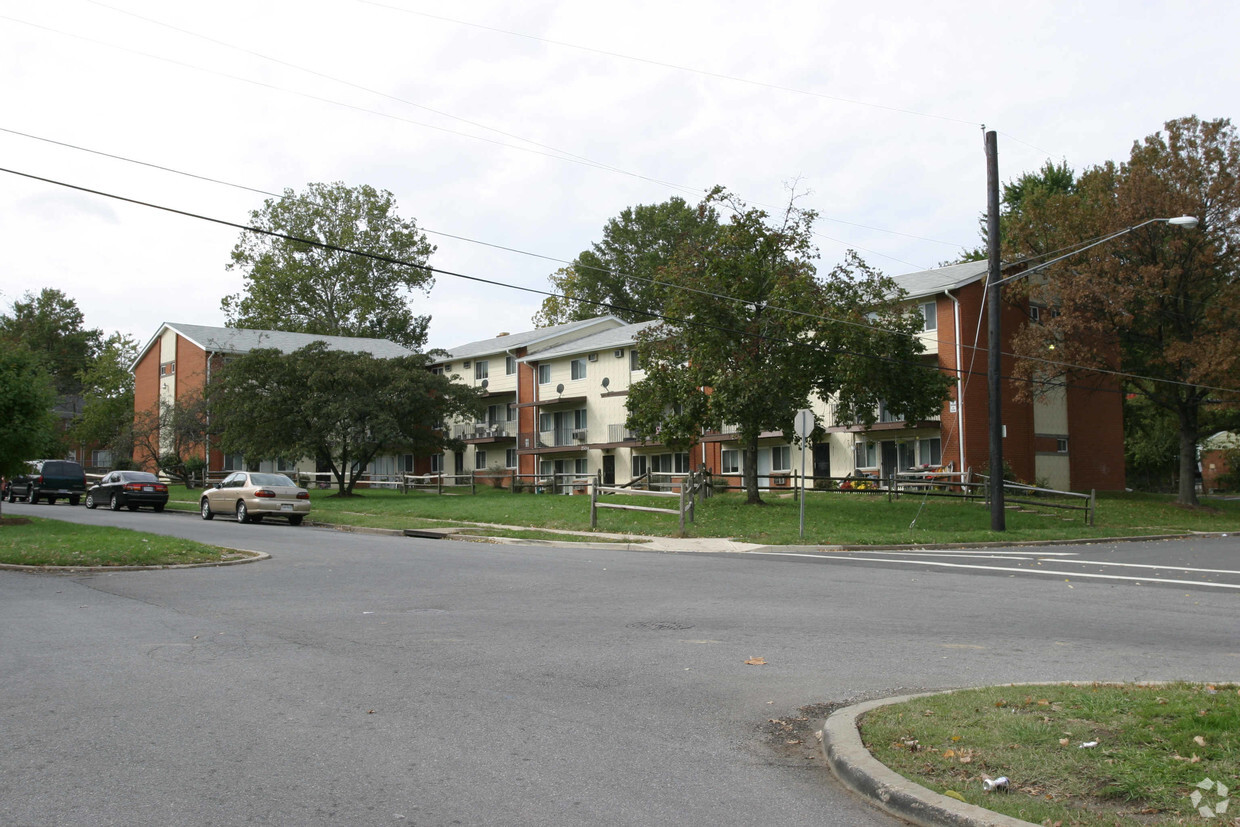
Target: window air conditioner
{"type": "Point", "coordinates": [593, 357]}
{"type": "Point", "coordinates": [579, 434]}
{"type": "Point", "coordinates": [619, 353]}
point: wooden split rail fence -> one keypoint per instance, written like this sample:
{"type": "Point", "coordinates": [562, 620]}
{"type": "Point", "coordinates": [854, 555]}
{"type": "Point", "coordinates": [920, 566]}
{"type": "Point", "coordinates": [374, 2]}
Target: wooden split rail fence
{"type": "Point", "coordinates": [692, 487]}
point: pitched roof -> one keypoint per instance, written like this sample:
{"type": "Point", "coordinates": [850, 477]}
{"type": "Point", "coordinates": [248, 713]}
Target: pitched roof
{"type": "Point", "coordinates": [606, 340]}
{"type": "Point", "coordinates": [930, 282]}
{"type": "Point", "coordinates": [236, 340]}
{"type": "Point", "coordinates": [529, 339]}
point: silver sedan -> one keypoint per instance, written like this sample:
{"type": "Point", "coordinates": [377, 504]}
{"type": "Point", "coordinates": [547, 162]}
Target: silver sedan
{"type": "Point", "coordinates": [251, 496]}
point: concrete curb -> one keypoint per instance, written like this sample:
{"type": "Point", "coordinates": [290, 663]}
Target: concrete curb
{"type": "Point", "coordinates": [860, 771]}
{"type": "Point", "coordinates": [256, 557]}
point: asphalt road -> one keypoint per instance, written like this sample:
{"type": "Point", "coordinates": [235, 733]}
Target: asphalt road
{"type": "Point", "coordinates": [357, 679]}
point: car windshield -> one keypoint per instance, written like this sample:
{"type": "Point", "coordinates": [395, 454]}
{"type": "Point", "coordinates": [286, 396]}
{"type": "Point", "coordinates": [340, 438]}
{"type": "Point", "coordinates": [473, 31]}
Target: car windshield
{"type": "Point", "coordinates": [139, 476]}
{"type": "Point", "coordinates": [271, 479]}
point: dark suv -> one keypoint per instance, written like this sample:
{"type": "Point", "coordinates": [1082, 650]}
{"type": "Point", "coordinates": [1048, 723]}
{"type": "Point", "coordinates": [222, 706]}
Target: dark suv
{"type": "Point", "coordinates": [51, 480]}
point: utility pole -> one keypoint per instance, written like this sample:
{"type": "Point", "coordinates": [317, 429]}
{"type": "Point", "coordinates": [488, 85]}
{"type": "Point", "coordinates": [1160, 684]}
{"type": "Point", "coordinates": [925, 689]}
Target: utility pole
{"type": "Point", "coordinates": [998, 516]}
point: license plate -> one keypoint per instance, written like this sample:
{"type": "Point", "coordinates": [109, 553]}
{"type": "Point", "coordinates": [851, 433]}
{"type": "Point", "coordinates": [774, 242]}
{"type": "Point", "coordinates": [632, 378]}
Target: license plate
{"type": "Point", "coordinates": [147, 488]}
{"type": "Point", "coordinates": [286, 506]}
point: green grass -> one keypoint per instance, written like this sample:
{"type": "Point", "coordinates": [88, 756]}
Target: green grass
{"type": "Point", "coordinates": [1154, 744]}
{"type": "Point", "coordinates": [43, 542]}
{"type": "Point", "coordinates": [830, 518]}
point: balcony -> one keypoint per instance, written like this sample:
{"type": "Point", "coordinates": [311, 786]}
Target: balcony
{"type": "Point", "coordinates": [563, 437]}
{"type": "Point", "coordinates": [484, 430]}
{"type": "Point", "coordinates": [619, 433]}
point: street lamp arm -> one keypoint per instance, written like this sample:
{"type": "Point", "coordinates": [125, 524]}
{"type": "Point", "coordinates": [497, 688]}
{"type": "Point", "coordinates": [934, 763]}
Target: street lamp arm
{"type": "Point", "coordinates": [1182, 221]}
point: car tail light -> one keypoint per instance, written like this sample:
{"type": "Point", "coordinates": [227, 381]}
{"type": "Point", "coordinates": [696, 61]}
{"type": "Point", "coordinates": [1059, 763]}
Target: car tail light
{"type": "Point", "coordinates": [133, 486]}
{"type": "Point", "coordinates": [264, 493]}
{"type": "Point", "coordinates": [303, 495]}
{"type": "Point", "coordinates": [161, 487]}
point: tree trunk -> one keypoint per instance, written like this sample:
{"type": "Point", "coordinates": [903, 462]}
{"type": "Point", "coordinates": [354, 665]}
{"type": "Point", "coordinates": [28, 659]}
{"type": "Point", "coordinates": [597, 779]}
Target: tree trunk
{"type": "Point", "coordinates": [749, 470]}
{"type": "Point", "coordinates": [1188, 457]}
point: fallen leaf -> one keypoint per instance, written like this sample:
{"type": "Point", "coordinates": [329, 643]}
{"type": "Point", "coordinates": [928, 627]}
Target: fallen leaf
{"type": "Point", "coordinates": [1199, 741]}
{"type": "Point", "coordinates": [954, 794]}
{"type": "Point", "coordinates": [956, 737]}
{"type": "Point", "coordinates": [756, 662]}
{"type": "Point", "coordinates": [1063, 742]}
{"type": "Point", "coordinates": [951, 753]}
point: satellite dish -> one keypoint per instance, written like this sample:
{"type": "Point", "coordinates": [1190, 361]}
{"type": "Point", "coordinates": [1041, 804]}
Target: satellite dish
{"type": "Point", "coordinates": [485, 382]}
{"type": "Point", "coordinates": [606, 381]}
{"type": "Point", "coordinates": [559, 388]}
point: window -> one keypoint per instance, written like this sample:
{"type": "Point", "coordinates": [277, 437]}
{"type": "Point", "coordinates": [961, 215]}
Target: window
{"type": "Point", "coordinates": [639, 465]}
{"type": "Point", "coordinates": [579, 467]}
{"type": "Point", "coordinates": [436, 463]}
{"type": "Point", "coordinates": [512, 411]}
{"type": "Point", "coordinates": [510, 365]}
{"type": "Point", "coordinates": [1061, 445]}
{"type": "Point", "coordinates": [781, 458]}
{"type": "Point", "coordinates": [545, 422]}
{"type": "Point", "coordinates": [285, 465]}
{"type": "Point", "coordinates": [437, 370]}
{"type": "Point", "coordinates": [480, 369]}
{"type": "Point", "coordinates": [633, 362]}
{"type": "Point", "coordinates": [406, 463]}
{"type": "Point", "coordinates": [670, 463]}
{"type": "Point", "coordinates": [510, 458]}
{"type": "Point", "coordinates": [1035, 314]}
{"type": "Point", "coordinates": [233, 462]}
{"type": "Point", "coordinates": [495, 413]}
{"type": "Point", "coordinates": [866, 455]}
{"type": "Point", "coordinates": [906, 455]}
{"type": "Point", "coordinates": [578, 368]}
{"type": "Point", "coordinates": [929, 316]}
{"type": "Point", "coordinates": [480, 460]}
{"type": "Point", "coordinates": [731, 462]}
{"type": "Point", "coordinates": [930, 451]}
{"type": "Point", "coordinates": [544, 374]}
{"type": "Point", "coordinates": [579, 418]}
{"type": "Point", "coordinates": [101, 459]}
{"type": "Point", "coordinates": [168, 368]}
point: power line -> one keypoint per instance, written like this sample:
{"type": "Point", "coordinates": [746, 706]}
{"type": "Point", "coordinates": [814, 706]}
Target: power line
{"type": "Point", "coordinates": [609, 305]}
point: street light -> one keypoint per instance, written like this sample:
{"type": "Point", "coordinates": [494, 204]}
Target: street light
{"type": "Point", "coordinates": [998, 517]}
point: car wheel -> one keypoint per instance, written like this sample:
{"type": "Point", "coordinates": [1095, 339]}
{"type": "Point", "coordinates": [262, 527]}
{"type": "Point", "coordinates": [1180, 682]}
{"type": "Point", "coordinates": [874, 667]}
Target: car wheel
{"type": "Point", "coordinates": [159, 507]}
{"type": "Point", "coordinates": [243, 513]}
{"type": "Point", "coordinates": [74, 500]}
{"type": "Point", "coordinates": [90, 501]}
{"type": "Point", "coordinates": [51, 500]}
{"type": "Point", "coordinates": [256, 518]}
{"type": "Point", "coordinates": [295, 520]}
{"type": "Point", "coordinates": [32, 496]}
{"type": "Point", "coordinates": [132, 506]}
{"type": "Point", "coordinates": [115, 503]}
{"type": "Point", "coordinates": [12, 495]}
{"type": "Point", "coordinates": [204, 508]}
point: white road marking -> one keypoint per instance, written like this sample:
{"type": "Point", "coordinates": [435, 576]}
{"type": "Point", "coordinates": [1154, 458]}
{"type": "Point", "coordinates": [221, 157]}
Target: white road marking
{"type": "Point", "coordinates": [1070, 574]}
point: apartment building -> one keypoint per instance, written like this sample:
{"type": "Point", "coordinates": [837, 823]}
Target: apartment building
{"type": "Point", "coordinates": [176, 364]}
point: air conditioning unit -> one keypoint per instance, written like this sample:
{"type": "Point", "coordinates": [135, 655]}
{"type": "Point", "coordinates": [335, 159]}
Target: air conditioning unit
{"type": "Point", "coordinates": [579, 434]}
{"type": "Point", "coordinates": [465, 365]}
{"type": "Point", "coordinates": [619, 353]}
{"type": "Point", "coordinates": [593, 357]}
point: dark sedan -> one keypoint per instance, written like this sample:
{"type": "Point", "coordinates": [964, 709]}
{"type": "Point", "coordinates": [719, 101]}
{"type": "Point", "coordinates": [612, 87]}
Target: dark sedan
{"type": "Point", "coordinates": [131, 489]}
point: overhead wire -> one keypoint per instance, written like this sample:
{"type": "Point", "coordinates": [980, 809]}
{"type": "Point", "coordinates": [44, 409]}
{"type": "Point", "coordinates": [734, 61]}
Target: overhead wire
{"type": "Point", "coordinates": [610, 305]}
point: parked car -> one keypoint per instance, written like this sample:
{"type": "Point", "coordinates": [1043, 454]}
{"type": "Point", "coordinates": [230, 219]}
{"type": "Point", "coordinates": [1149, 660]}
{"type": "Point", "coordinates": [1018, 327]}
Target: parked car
{"type": "Point", "coordinates": [131, 489]}
{"type": "Point", "coordinates": [252, 496]}
{"type": "Point", "coordinates": [48, 479]}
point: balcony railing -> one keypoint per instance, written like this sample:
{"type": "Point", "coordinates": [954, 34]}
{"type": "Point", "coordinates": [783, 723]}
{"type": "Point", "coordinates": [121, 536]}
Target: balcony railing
{"type": "Point", "coordinates": [619, 433]}
{"type": "Point", "coordinates": [484, 430]}
{"type": "Point", "coordinates": [563, 437]}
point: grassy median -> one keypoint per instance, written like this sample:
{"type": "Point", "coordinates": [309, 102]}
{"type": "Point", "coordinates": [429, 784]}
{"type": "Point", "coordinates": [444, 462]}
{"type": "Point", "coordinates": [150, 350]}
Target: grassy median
{"type": "Point", "coordinates": [36, 541]}
{"type": "Point", "coordinates": [1079, 754]}
{"type": "Point", "coordinates": [830, 518]}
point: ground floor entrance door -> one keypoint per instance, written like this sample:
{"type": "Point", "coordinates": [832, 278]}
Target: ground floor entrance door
{"type": "Point", "coordinates": [609, 469]}
{"type": "Point", "coordinates": [891, 458]}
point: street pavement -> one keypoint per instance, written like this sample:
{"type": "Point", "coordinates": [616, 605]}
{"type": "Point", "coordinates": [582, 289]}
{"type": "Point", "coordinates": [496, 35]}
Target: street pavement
{"type": "Point", "coordinates": [361, 679]}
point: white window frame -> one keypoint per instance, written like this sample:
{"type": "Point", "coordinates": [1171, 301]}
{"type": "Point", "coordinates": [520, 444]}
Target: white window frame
{"type": "Point", "coordinates": [544, 374]}
{"type": "Point", "coordinates": [480, 460]}
{"type": "Point", "coordinates": [510, 365]}
{"type": "Point", "coordinates": [578, 369]}
{"type": "Point", "coordinates": [482, 369]}
{"type": "Point", "coordinates": [730, 461]}
{"type": "Point", "coordinates": [510, 458]}
{"type": "Point", "coordinates": [784, 451]}
{"type": "Point", "coordinates": [929, 316]}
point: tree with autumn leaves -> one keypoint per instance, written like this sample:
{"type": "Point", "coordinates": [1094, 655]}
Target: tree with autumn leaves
{"type": "Point", "coordinates": [1158, 307]}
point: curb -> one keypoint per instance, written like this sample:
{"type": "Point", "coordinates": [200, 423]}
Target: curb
{"type": "Point", "coordinates": [255, 557]}
{"type": "Point", "coordinates": [891, 792]}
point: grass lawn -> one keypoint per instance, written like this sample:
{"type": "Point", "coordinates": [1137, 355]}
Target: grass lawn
{"type": "Point", "coordinates": [36, 541]}
{"type": "Point", "coordinates": [830, 518]}
{"type": "Point", "coordinates": [1153, 747]}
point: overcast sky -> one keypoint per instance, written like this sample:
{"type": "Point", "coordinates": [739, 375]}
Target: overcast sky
{"type": "Point", "coordinates": [528, 125]}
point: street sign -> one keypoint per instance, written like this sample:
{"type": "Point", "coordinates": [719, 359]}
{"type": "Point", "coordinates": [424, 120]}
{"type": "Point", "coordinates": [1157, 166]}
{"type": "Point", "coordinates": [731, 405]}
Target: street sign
{"type": "Point", "coordinates": [804, 427]}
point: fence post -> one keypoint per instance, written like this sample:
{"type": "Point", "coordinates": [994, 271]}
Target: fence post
{"type": "Point", "coordinates": [1093, 506]}
{"type": "Point", "coordinates": [512, 486]}
{"type": "Point", "coordinates": [439, 483]}
{"type": "Point", "coordinates": [682, 510]}
{"type": "Point", "coordinates": [594, 506]}
{"type": "Point", "coordinates": [473, 481]}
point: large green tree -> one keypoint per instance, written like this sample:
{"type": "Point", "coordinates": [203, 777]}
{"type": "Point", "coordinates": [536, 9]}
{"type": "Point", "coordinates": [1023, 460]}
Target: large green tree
{"type": "Point", "coordinates": [1160, 303]}
{"type": "Point", "coordinates": [26, 420]}
{"type": "Point", "coordinates": [622, 273]}
{"type": "Point", "coordinates": [107, 414]}
{"type": "Point", "coordinates": [52, 327]}
{"type": "Point", "coordinates": [753, 331]}
{"type": "Point", "coordinates": [304, 287]}
{"type": "Point", "coordinates": [341, 408]}
{"type": "Point", "coordinates": [1051, 180]}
